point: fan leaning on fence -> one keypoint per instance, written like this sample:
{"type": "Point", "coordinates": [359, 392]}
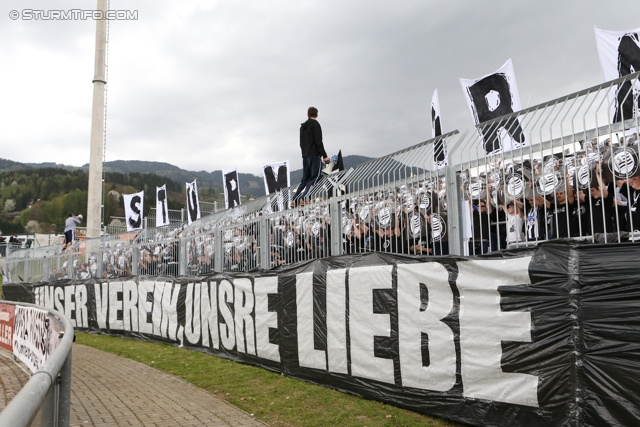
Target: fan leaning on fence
{"type": "Point", "coordinates": [70, 230]}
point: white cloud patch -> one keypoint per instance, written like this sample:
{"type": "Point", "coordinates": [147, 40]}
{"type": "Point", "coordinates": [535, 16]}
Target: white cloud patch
{"type": "Point", "coordinates": [206, 85]}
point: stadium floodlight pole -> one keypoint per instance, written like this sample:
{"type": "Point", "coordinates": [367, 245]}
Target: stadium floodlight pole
{"type": "Point", "coordinates": [94, 199]}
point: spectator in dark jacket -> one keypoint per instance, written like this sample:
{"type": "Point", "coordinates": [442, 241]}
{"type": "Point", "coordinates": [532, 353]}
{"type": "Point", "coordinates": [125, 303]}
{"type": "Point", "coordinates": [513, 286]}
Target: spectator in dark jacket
{"type": "Point", "coordinates": [312, 151]}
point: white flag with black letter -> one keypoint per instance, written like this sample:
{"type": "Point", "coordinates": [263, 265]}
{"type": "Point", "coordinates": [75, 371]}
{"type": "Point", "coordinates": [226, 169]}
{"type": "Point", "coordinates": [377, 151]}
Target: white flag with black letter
{"type": "Point", "coordinates": [162, 206]}
{"type": "Point", "coordinates": [276, 176]}
{"type": "Point", "coordinates": [231, 188]}
{"type": "Point", "coordinates": [619, 53]}
{"type": "Point", "coordinates": [439, 147]}
{"type": "Point", "coordinates": [492, 96]}
{"type": "Point", "coordinates": [193, 204]}
{"type": "Point", "coordinates": [133, 208]}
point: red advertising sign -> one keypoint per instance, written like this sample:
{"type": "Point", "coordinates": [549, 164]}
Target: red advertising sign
{"type": "Point", "coordinates": [7, 313]}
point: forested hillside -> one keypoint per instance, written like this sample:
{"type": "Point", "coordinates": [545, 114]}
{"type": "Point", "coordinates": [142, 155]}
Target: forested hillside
{"type": "Point", "coordinates": [38, 197]}
{"type": "Point", "coordinates": [39, 200]}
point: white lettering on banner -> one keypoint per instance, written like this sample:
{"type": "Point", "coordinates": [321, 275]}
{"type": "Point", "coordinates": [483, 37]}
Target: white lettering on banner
{"type": "Point", "coordinates": [308, 356]}
{"type": "Point", "coordinates": [483, 327]}
{"type": "Point", "coordinates": [6, 334]}
{"type": "Point", "coordinates": [58, 297]}
{"type": "Point", "coordinates": [156, 315]}
{"type": "Point", "coordinates": [235, 313]}
{"type": "Point", "coordinates": [145, 307]}
{"type": "Point", "coordinates": [169, 323]}
{"type": "Point", "coordinates": [414, 319]}
{"type": "Point", "coordinates": [45, 296]}
{"type": "Point", "coordinates": [227, 330]}
{"type": "Point", "coordinates": [365, 325]}
{"type": "Point", "coordinates": [68, 303]}
{"type": "Point", "coordinates": [243, 305]}
{"type": "Point", "coordinates": [265, 319]}
{"type": "Point", "coordinates": [115, 306]}
{"type": "Point", "coordinates": [192, 313]}
{"type": "Point", "coordinates": [101, 292]}
{"type": "Point", "coordinates": [31, 336]}
{"type": "Point", "coordinates": [70, 300]}
{"type": "Point", "coordinates": [130, 306]}
{"type": "Point", "coordinates": [209, 315]}
{"type": "Point", "coordinates": [336, 320]}
{"type": "Point", "coordinates": [82, 313]}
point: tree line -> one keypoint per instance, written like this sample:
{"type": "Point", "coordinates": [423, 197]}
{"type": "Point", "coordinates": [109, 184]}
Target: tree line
{"type": "Point", "coordinates": [39, 200]}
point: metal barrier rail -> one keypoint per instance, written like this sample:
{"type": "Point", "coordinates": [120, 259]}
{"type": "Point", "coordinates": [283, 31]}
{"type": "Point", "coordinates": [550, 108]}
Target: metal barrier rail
{"type": "Point", "coordinates": [48, 389]}
{"type": "Point", "coordinates": [560, 169]}
{"type": "Point", "coordinates": [409, 203]}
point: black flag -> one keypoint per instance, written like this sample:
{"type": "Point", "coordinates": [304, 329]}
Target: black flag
{"type": "Point", "coordinates": [162, 209]}
{"type": "Point", "coordinates": [193, 205]}
{"type": "Point", "coordinates": [276, 177]}
{"type": "Point", "coordinates": [231, 189]}
{"type": "Point", "coordinates": [628, 62]}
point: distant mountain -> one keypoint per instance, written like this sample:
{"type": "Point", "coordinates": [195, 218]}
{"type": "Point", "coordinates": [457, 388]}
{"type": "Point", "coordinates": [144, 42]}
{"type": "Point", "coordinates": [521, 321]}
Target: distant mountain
{"type": "Point", "coordinates": [11, 165]}
{"type": "Point", "coordinates": [249, 184]}
{"type": "Point", "coordinates": [53, 165]}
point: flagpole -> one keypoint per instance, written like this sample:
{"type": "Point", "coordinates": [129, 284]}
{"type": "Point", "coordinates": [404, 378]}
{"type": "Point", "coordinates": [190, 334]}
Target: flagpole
{"type": "Point", "coordinates": [94, 199]}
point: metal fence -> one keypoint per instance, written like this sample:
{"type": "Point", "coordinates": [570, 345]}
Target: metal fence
{"type": "Point", "coordinates": [570, 172]}
{"type": "Point", "coordinates": [562, 169]}
{"type": "Point", "coordinates": [47, 394]}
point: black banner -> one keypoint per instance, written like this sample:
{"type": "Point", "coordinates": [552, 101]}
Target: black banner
{"type": "Point", "coordinates": [544, 336]}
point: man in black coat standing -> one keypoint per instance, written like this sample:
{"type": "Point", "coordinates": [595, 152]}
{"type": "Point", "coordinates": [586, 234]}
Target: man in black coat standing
{"type": "Point", "coordinates": [312, 152]}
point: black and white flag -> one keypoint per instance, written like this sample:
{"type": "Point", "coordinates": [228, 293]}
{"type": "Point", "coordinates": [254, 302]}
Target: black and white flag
{"type": "Point", "coordinates": [231, 188]}
{"type": "Point", "coordinates": [133, 208]}
{"type": "Point", "coordinates": [619, 53]}
{"type": "Point", "coordinates": [492, 96]}
{"type": "Point", "coordinates": [193, 204]}
{"type": "Point", "coordinates": [439, 148]}
{"type": "Point", "coordinates": [276, 176]}
{"type": "Point", "coordinates": [162, 206]}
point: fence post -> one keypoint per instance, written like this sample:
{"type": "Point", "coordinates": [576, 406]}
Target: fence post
{"type": "Point", "coordinates": [64, 396]}
{"type": "Point", "coordinates": [218, 250]}
{"type": "Point", "coordinates": [264, 243]}
{"type": "Point", "coordinates": [46, 275]}
{"type": "Point", "coordinates": [48, 410]}
{"type": "Point", "coordinates": [454, 219]}
{"type": "Point", "coordinates": [335, 214]}
{"type": "Point", "coordinates": [134, 259]}
{"type": "Point", "coordinates": [72, 269]}
{"type": "Point", "coordinates": [183, 257]}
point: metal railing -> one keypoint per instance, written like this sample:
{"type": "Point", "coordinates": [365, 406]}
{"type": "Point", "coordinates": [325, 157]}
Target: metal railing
{"type": "Point", "coordinates": [562, 179]}
{"type": "Point", "coordinates": [565, 177]}
{"type": "Point", "coordinates": [49, 388]}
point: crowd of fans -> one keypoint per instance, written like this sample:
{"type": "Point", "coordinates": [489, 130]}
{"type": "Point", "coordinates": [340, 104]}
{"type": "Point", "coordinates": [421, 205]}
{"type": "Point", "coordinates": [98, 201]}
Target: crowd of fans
{"type": "Point", "coordinates": [590, 194]}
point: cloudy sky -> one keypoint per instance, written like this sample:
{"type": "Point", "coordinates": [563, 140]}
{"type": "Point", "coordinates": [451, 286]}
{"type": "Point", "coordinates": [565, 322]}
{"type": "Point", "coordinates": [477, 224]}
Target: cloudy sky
{"type": "Point", "coordinates": [209, 85]}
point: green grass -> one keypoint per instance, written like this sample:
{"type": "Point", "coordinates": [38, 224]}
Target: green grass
{"type": "Point", "coordinates": [271, 397]}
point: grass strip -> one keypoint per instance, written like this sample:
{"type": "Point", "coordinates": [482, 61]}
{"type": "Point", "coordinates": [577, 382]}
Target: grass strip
{"type": "Point", "coordinates": [271, 397]}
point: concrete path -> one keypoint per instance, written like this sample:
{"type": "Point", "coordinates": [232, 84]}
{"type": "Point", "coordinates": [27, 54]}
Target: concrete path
{"type": "Point", "coordinates": [113, 391]}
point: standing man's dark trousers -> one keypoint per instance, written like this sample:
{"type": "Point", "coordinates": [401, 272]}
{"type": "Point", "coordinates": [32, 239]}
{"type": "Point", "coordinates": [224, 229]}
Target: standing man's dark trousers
{"type": "Point", "coordinates": [311, 169]}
